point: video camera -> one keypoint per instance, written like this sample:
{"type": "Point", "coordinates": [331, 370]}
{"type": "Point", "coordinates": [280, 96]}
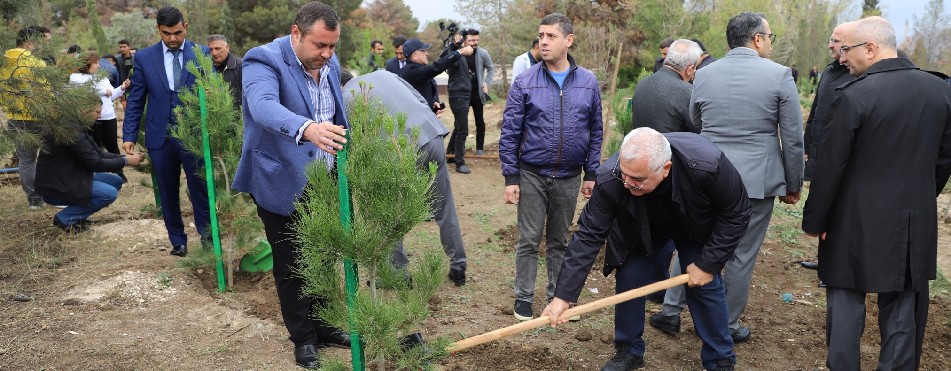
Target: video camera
{"type": "Point", "coordinates": [448, 43]}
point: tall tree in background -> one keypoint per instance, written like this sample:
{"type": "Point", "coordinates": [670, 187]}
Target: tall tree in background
{"type": "Point", "coordinates": [929, 43]}
{"type": "Point", "coordinates": [395, 15]}
{"type": "Point", "coordinates": [96, 26]}
{"type": "Point", "coordinates": [133, 27]}
{"type": "Point", "coordinates": [870, 8]}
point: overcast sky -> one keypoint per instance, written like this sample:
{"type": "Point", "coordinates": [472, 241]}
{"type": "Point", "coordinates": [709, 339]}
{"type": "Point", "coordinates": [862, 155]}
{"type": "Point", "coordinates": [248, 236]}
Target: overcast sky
{"type": "Point", "coordinates": [896, 11]}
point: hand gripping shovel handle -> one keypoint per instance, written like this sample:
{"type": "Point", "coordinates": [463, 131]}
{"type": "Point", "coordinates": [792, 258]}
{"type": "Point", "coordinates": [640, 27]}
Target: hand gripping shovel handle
{"type": "Point", "coordinates": [571, 312]}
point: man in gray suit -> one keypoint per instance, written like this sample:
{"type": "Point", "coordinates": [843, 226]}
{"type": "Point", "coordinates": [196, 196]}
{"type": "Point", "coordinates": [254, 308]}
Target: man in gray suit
{"type": "Point", "coordinates": [399, 96]}
{"type": "Point", "coordinates": [749, 107]}
{"type": "Point", "coordinates": [662, 100]}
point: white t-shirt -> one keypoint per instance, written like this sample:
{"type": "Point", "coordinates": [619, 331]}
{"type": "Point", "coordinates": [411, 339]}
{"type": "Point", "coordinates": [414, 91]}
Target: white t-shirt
{"type": "Point", "coordinates": [106, 92]}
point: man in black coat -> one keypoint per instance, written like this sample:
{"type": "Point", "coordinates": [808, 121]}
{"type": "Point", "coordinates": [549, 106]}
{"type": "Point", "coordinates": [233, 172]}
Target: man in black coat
{"type": "Point", "coordinates": [227, 64]}
{"type": "Point", "coordinates": [886, 156]}
{"type": "Point", "coordinates": [79, 175]}
{"type": "Point", "coordinates": [677, 186]}
{"type": "Point", "coordinates": [820, 116]}
{"type": "Point", "coordinates": [419, 73]}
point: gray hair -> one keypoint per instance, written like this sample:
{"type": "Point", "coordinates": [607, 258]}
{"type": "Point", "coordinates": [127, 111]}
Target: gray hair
{"type": "Point", "coordinates": [877, 30]}
{"type": "Point", "coordinates": [682, 54]}
{"type": "Point", "coordinates": [645, 141]}
{"type": "Point", "coordinates": [221, 38]}
{"type": "Point", "coordinates": [743, 27]}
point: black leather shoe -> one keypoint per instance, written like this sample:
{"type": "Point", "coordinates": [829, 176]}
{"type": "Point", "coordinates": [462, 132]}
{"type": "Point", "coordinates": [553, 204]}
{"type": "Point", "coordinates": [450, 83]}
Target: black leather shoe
{"type": "Point", "coordinates": [414, 340]}
{"type": "Point", "coordinates": [180, 250]}
{"type": "Point", "coordinates": [457, 275]}
{"type": "Point", "coordinates": [623, 360]}
{"type": "Point", "coordinates": [741, 335]}
{"type": "Point", "coordinates": [667, 324]}
{"type": "Point", "coordinates": [463, 169]}
{"type": "Point", "coordinates": [78, 227]}
{"type": "Point", "coordinates": [337, 339]}
{"type": "Point", "coordinates": [306, 356]}
{"type": "Point", "coordinates": [809, 265]}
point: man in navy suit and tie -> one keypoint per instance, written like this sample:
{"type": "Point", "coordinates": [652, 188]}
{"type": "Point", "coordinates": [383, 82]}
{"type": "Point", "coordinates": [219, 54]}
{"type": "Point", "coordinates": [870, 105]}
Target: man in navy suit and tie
{"type": "Point", "coordinates": [293, 115]}
{"type": "Point", "coordinates": [159, 74]}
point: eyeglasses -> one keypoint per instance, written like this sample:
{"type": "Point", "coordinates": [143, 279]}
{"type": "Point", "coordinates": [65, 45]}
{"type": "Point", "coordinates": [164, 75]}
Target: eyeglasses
{"type": "Point", "coordinates": [771, 36]}
{"type": "Point", "coordinates": [846, 48]}
{"type": "Point", "coordinates": [619, 175]}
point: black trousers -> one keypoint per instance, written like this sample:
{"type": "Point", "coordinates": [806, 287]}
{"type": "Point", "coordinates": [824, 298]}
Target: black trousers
{"type": "Point", "coordinates": [297, 310]}
{"type": "Point", "coordinates": [477, 106]}
{"type": "Point", "coordinates": [457, 139]}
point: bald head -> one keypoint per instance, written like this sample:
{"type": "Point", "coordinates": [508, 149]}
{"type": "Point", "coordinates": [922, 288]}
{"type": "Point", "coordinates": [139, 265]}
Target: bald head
{"type": "Point", "coordinates": [871, 40]}
{"type": "Point", "coordinates": [838, 33]}
{"type": "Point", "coordinates": [877, 30]}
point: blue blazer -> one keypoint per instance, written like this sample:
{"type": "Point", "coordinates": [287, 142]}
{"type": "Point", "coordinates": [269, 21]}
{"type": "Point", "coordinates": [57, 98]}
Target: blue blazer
{"type": "Point", "coordinates": [275, 105]}
{"type": "Point", "coordinates": [149, 90]}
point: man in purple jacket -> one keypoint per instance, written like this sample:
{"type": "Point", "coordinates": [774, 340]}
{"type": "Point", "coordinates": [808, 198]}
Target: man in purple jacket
{"type": "Point", "coordinates": [551, 131]}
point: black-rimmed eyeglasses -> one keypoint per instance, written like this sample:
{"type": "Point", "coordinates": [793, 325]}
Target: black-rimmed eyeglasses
{"type": "Point", "coordinates": [846, 48]}
{"type": "Point", "coordinates": [630, 181]}
{"type": "Point", "coordinates": [771, 36]}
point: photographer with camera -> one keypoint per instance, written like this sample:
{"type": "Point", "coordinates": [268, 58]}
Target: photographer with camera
{"type": "Point", "coordinates": [419, 73]}
{"type": "Point", "coordinates": [469, 80]}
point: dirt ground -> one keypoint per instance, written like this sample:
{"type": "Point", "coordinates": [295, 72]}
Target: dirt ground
{"type": "Point", "coordinates": [113, 298]}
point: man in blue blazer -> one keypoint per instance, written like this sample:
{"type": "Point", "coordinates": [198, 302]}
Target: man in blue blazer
{"type": "Point", "coordinates": [159, 74]}
{"type": "Point", "coordinates": [293, 116]}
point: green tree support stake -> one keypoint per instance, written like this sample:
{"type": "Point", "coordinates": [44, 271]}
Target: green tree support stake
{"type": "Point", "coordinates": [349, 268]}
{"type": "Point", "coordinates": [210, 181]}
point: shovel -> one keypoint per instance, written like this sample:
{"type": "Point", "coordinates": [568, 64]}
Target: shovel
{"type": "Point", "coordinates": [571, 312]}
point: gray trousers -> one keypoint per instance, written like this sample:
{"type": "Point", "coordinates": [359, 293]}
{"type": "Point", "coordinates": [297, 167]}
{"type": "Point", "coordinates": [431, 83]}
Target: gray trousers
{"type": "Point", "coordinates": [738, 272]}
{"type": "Point", "coordinates": [546, 206]}
{"type": "Point", "coordinates": [902, 317]}
{"type": "Point", "coordinates": [444, 208]}
{"type": "Point", "coordinates": [27, 168]}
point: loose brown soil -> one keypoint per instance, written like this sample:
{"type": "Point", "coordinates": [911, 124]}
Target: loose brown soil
{"type": "Point", "coordinates": [113, 298]}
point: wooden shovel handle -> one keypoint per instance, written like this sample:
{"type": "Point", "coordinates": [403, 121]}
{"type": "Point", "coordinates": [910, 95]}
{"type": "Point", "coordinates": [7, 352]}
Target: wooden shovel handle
{"type": "Point", "coordinates": [571, 312]}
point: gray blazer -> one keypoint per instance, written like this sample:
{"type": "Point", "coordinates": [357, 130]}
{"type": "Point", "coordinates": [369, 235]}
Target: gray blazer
{"type": "Point", "coordinates": [749, 107]}
{"type": "Point", "coordinates": [399, 96]}
{"type": "Point", "coordinates": [484, 69]}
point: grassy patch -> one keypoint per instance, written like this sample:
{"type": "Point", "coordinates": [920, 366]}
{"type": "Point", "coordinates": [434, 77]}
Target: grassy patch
{"type": "Point", "coordinates": [164, 281]}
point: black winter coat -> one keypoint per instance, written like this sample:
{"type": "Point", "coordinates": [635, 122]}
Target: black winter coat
{"type": "Point", "coordinates": [65, 170]}
{"type": "Point", "coordinates": [817, 124]}
{"type": "Point", "coordinates": [885, 158]}
{"type": "Point", "coordinates": [713, 209]}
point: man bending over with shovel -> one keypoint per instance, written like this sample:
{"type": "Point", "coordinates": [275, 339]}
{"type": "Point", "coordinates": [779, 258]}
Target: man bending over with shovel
{"type": "Point", "coordinates": [675, 186]}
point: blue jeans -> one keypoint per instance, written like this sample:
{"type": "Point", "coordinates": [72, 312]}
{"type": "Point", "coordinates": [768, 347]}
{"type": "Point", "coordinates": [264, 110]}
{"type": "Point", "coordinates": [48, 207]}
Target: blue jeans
{"type": "Point", "coordinates": [105, 190]}
{"type": "Point", "coordinates": [707, 306]}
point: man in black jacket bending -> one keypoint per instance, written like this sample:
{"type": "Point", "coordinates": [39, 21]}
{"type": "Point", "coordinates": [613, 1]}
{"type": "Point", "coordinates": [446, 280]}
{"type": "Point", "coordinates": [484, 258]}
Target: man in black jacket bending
{"type": "Point", "coordinates": [79, 175]}
{"type": "Point", "coordinates": [677, 186]}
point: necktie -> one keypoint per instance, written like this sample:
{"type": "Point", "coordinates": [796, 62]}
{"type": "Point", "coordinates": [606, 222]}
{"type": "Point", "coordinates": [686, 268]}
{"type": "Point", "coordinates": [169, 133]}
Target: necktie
{"type": "Point", "coordinates": [640, 206]}
{"type": "Point", "coordinates": [176, 68]}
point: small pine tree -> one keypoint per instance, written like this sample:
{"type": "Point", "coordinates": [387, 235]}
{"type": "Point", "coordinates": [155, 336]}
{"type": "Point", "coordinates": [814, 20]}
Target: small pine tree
{"type": "Point", "coordinates": [225, 129]}
{"type": "Point", "coordinates": [389, 195]}
{"type": "Point", "coordinates": [44, 94]}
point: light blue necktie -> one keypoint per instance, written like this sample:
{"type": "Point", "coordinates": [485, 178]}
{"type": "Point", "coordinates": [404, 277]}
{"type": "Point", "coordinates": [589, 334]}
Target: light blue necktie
{"type": "Point", "coordinates": [176, 68]}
